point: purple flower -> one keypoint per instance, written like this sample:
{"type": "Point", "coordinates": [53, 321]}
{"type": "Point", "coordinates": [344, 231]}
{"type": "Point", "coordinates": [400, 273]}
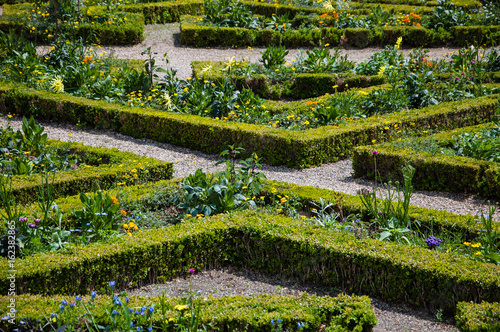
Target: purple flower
{"type": "Point", "coordinates": [191, 271]}
{"type": "Point", "coordinates": [32, 225]}
{"type": "Point", "coordinates": [364, 192]}
{"type": "Point", "coordinates": [433, 242]}
{"type": "Point", "coordinates": [374, 152]}
{"type": "Point", "coordinates": [37, 220]}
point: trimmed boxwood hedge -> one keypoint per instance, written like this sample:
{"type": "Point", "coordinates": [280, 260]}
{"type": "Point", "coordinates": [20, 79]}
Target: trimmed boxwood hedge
{"type": "Point", "coordinates": [229, 313]}
{"type": "Point", "coordinates": [438, 220]}
{"type": "Point", "coordinates": [276, 146]}
{"type": "Point", "coordinates": [197, 35]}
{"type": "Point", "coordinates": [478, 317]}
{"type": "Point", "coordinates": [433, 172]}
{"type": "Point", "coordinates": [300, 86]}
{"type": "Point", "coordinates": [129, 32]}
{"type": "Point", "coordinates": [113, 166]}
{"type": "Point", "coordinates": [273, 244]}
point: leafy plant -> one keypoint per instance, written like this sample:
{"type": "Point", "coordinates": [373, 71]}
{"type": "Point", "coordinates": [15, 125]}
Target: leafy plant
{"type": "Point", "coordinates": [274, 57]}
{"type": "Point", "coordinates": [229, 190]}
{"type": "Point", "coordinates": [99, 216]}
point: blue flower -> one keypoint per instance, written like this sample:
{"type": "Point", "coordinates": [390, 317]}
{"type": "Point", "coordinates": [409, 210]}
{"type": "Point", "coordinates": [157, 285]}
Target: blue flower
{"type": "Point", "coordinates": [115, 312]}
{"type": "Point", "coordinates": [64, 302]}
{"type": "Point", "coordinates": [126, 299]}
{"type": "Point", "coordinates": [53, 315]}
{"type": "Point", "coordinates": [5, 317]}
{"type": "Point", "coordinates": [72, 304]}
{"type": "Point", "coordinates": [279, 321]}
{"type": "Point", "coordinates": [22, 322]}
{"type": "Point", "coordinates": [272, 322]}
{"type": "Point", "coordinates": [150, 329]}
{"type": "Point", "coordinates": [143, 309]}
{"type": "Point", "coordinates": [118, 302]}
{"type": "Point", "coordinates": [139, 329]}
{"type": "Point", "coordinates": [151, 309]}
{"type": "Point", "coordinates": [300, 325]}
{"type": "Point", "coordinates": [93, 294]}
{"type": "Point", "coordinates": [112, 284]}
{"type": "Point", "coordinates": [78, 298]}
{"type": "Point", "coordinates": [131, 324]}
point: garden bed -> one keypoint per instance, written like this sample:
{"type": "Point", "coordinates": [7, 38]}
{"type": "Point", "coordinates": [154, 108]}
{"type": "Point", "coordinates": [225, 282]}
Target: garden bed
{"type": "Point", "coordinates": [435, 170]}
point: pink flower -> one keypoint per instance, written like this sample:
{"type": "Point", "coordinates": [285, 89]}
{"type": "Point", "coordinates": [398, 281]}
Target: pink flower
{"type": "Point", "coordinates": [191, 271]}
{"type": "Point", "coordinates": [374, 152]}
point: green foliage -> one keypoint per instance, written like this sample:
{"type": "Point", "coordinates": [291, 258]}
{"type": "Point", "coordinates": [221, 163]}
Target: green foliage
{"type": "Point", "coordinates": [245, 237]}
{"type": "Point", "coordinates": [99, 215]}
{"type": "Point", "coordinates": [230, 190]}
{"type": "Point", "coordinates": [236, 313]}
{"type": "Point", "coordinates": [440, 160]}
{"type": "Point", "coordinates": [478, 317]}
{"type": "Point", "coordinates": [273, 57]}
{"type": "Point", "coordinates": [28, 152]}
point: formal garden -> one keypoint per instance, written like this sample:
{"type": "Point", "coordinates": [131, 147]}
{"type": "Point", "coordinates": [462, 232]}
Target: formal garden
{"type": "Point", "coordinates": [82, 226]}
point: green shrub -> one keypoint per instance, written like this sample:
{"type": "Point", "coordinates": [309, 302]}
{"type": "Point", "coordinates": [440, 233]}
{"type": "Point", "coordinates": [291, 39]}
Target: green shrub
{"type": "Point", "coordinates": [231, 313]}
{"type": "Point", "coordinates": [272, 244]}
{"type": "Point", "coordinates": [275, 146]}
{"type": "Point", "coordinates": [478, 317]}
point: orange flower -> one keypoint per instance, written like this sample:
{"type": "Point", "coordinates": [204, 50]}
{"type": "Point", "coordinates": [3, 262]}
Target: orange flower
{"type": "Point", "coordinates": [123, 212]}
{"type": "Point", "coordinates": [309, 102]}
{"type": "Point", "coordinates": [115, 200]}
{"type": "Point", "coordinates": [335, 14]}
{"type": "Point", "coordinates": [418, 24]}
{"type": "Point", "coordinates": [323, 15]}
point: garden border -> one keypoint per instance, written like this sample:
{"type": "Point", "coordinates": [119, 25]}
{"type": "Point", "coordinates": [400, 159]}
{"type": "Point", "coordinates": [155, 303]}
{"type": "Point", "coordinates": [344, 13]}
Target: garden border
{"type": "Point", "coordinates": [275, 146]}
{"type": "Point", "coordinates": [433, 172]}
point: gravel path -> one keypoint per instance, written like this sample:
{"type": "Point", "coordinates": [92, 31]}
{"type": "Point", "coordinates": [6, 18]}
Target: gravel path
{"type": "Point", "coordinates": [337, 176]}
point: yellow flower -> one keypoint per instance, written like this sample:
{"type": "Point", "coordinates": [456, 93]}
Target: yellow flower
{"type": "Point", "coordinates": [398, 43]}
{"type": "Point", "coordinates": [476, 245]}
{"type": "Point", "coordinates": [168, 100]}
{"type": "Point", "coordinates": [381, 71]}
{"type": "Point", "coordinates": [125, 226]}
{"type": "Point", "coordinates": [181, 307]}
{"type": "Point", "coordinates": [57, 85]}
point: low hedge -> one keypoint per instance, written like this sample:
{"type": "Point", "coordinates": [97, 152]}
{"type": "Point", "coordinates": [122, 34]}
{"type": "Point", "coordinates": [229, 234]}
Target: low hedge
{"type": "Point", "coordinates": [478, 317]}
{"type": "Point", "coordinates": [276, 146]}
{"type": "Point", "coordinates": [437, 220]}
{"type": "Point", "coordinates": [273, 244]}
{"type": "Point", "coordinates": [197, 35]}
{"type": "Point", "coordinates": [105, 167]}
{"type": "Point", "coordinates": [436, 172]}
{"type": "Point", "coordinates": [129, 32]}
{"type": "Point", "coordinates": [229, 313]}
{"type": "Point", "coordinates": [164, 12]}
{"type": "Point", "coordinates": [299, 86]}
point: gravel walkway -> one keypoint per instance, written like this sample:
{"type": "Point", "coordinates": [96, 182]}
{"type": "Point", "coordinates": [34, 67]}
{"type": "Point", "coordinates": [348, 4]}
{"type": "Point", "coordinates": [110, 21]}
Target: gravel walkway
{"type": "Point", "coordinates": [337, 176]}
